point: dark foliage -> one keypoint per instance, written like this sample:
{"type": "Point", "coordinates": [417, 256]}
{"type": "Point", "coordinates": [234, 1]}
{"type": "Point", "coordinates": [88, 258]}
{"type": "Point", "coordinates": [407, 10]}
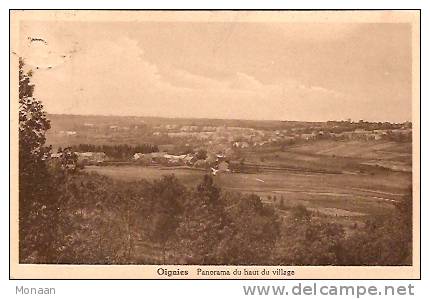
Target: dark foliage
{"type": "Point", "coordinates": [383, 241]}
{"type": "Point", "coordinates": [36, 210]}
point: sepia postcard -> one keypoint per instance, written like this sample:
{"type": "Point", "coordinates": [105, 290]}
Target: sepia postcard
{"type": "Point", "coordinates": [215, 144]}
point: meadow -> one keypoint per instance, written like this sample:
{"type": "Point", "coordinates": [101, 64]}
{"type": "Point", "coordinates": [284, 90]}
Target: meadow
{"type": "Point", "coordinates": [331, 194]}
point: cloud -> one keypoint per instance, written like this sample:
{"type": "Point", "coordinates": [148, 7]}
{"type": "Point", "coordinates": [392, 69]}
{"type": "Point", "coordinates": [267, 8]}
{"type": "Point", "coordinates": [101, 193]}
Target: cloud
{"type": "Point", "coordinates": [245, 82]}
{"type": "Point", "coordinates": [185, 79]}
{"type": "Point", "coordinates": [243, 96]}
{"type": "Point", "coordinates": [115, 77]}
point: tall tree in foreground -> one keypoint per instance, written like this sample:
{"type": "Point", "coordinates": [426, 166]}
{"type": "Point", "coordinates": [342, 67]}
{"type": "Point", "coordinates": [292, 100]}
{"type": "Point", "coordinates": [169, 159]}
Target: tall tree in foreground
{"type": "Point", "coordinates": [306, 240]}
{"type": "Point", "coordinates": [34, 193]}
{"type": "Point", "coordinates": [254, 230]}
{"type": "Point", "coordinates": [168, 194]}
{"type": "Point", "coordinates": [203, 225]}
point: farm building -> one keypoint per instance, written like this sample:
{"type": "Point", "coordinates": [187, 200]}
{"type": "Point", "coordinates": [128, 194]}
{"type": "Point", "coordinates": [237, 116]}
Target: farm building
{"type": "Point", "coordinates": [239, 144]}
{"type": "Point", "coordinates": [91, 157]}
{"type": "Point", "coordinates": [56, 155]}
{"type": "Point", "coordinates": [311, 136]}
{"type": "Point", "coordinates": [138, 156]}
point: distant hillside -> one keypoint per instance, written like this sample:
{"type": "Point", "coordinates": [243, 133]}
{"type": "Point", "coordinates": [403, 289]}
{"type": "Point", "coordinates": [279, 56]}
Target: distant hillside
{"type": "Point", "coordinates": [68, 121]}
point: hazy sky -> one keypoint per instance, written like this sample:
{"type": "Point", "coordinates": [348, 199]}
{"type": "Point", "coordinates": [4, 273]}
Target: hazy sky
{"type": "Point", "coordinates": [282, 71]}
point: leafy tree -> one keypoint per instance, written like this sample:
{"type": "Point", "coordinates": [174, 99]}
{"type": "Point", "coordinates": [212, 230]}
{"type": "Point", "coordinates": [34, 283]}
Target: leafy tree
{"type": "Point", "coordinates": [201, 154]}
{"type": "Point", "coordinates": [310, 243]}
{"type": "Point", "coordinates": [242, 165]}
{"type": "Point", "coordinates": [168, 195]}
{"type": "Point", "coordinates": [383, 241]}
{"type": "Point", "coordinates": [36, 209]}
{"type": "Point", "coordinates": [254, 230]}
{"type": "Point", "coordinates": [208, 192]}
{"type": "Point", "coordinates": [97, 221]}
{"type": "Point", "coordinates": [300, 213]}
{"type": "Point", "coordinates": [66, 163]}
{"type": "Point", "coordinates": [281, 204]}
{"type": "Point", "coordinates": [203, 225]}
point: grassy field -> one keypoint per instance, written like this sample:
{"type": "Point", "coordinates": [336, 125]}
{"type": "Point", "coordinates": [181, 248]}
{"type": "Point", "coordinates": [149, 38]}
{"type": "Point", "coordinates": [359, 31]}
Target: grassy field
{"type": "Point", "coordinates": [341, 179]}
{"type": "Point", "coordinates": [385, 150]}
{"type": "Point", "coordinates": [346, 194]}
{"type": "Point", "coordinates": [392, 155]}
{"type": "Point", "coordinates": [331, 156]}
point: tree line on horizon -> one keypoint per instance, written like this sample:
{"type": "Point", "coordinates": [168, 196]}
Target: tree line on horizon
{"type": "Point", "coordinates": [118, 151]}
